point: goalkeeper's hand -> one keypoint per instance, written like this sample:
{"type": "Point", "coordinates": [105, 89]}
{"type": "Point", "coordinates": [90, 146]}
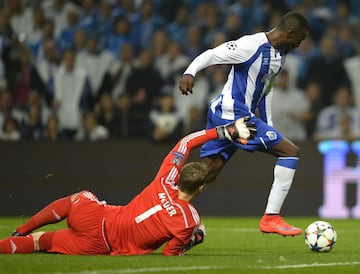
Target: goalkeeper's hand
{"type": "Point", "coordinates": [239, 131]}
{"type": "Point", "coordinates": [197, 237]}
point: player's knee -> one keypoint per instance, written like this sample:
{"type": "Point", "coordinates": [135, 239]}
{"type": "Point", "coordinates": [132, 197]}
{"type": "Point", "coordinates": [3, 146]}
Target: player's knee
{"type": "Point", "coordinates": [36, 236]}
{"type": "Point", "coordinates": [45, 240]}
{"type": "Point", "coordinates": [75, 196]}
{"type": "Point", "coordinates": [286, 148]}
{"type": "Point", "coordinates": [293, 151]}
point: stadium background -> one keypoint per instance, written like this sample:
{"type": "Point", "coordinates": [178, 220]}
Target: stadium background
{"type": "Point", "coordinates": [117, 171]}
{"type": "Point", "coordinates": [33, 173]}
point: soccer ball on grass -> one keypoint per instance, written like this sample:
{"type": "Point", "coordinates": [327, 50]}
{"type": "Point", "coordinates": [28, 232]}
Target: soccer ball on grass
{"type": "Point", "coordinates": [320, 236]}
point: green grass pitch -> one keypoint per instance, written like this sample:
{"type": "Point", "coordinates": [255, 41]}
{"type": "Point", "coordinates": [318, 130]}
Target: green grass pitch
{"type": "Point", "coordinates": [233, 245]}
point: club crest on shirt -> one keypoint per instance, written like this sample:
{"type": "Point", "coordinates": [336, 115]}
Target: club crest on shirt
{"type": "Point", "coordinates": [271, 135]}
{"type": "Point", "coordinates": [231, 45]}
{"type": "Point", "coordinates": [176, 161]}
{"type": "Point", "coordinates": [177, 158]}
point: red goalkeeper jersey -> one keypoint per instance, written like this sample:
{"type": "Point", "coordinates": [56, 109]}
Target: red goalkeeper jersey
{"type": "Point", "coordinates": [156, 216]}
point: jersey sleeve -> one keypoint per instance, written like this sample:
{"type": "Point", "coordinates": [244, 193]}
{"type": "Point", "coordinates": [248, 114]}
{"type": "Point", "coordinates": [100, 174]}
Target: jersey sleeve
{"type": "Point", "coordinates": [178, 156]}
{"type": "Point", "coordinates": [183, 229]}
{"type": "Point", "coordinates": [231, 52]}
{"type": "Point", "coordinates": [177, 246]}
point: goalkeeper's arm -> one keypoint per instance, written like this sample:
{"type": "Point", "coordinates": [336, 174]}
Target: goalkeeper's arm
{"type": "Point", "coordinates": [197, 237]}
{"type": "Point", "coordinates": [179, 245]}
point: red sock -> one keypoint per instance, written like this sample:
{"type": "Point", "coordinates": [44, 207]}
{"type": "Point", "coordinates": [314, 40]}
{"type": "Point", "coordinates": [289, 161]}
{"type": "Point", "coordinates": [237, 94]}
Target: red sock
{"type": "Point", "coordinates": [52, 213]}
{"type": "Point", "coordinates": [17, 245]}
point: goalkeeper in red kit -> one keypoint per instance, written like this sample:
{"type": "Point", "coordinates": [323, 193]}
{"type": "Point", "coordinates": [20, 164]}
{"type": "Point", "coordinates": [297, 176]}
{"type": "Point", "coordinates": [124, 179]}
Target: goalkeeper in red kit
{"type": "Point", "coordinates": [161, 213]}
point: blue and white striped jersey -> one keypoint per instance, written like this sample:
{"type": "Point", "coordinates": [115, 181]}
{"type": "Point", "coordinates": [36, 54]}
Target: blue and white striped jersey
{"type": "Point", "coordinates": [255, 63]}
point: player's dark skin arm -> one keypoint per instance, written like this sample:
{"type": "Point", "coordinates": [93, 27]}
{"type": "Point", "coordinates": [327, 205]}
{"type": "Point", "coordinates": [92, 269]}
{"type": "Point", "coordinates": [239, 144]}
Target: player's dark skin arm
{"type": "Point", "coordinates": [186, 84]}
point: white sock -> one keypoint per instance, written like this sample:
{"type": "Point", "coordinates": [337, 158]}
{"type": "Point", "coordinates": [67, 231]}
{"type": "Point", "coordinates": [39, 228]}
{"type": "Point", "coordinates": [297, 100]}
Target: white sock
{"type": "Point", "coordinates": [283, 177]}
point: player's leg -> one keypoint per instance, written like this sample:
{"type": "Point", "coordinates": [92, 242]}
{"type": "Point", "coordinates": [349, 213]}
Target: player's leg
{"type": "Point", "coordinates": [43, 240]}
{"type": "Point", "coordinates": [216, 153]}
{"type": "Point", "coordinates": [269, 140]}
{"type": "Point", "coordinates": [17, 245]}
{"type": "Point", "coordinates": [52, 213]}
{"type": "Point", "coordinates": [86, 232]}
{"type": "Point", "coordinates": [37, 241]}
{"type": "Point", "coordinates": [287, 155]}
{"type": "Point", "coordinates": [287, 159]}
{"type": "Point", "coordinates": [214, 163]}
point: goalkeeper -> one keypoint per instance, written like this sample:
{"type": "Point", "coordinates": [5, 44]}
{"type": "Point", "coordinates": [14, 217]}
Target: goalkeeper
{"type": "Point", "coordinates": [161, 213]}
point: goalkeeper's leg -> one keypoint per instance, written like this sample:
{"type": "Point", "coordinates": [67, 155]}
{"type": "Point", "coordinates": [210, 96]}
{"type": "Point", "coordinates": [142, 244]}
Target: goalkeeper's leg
{"type": "Point", "coordinates": [17, 245]}
{"type": "Point", "coordinates": [27, 244]}
{"type": "Point", "coordinates": [52, 213]}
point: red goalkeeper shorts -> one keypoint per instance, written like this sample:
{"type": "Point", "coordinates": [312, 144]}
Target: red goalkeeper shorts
{"type": "Point", "coordinates": [86, 228]}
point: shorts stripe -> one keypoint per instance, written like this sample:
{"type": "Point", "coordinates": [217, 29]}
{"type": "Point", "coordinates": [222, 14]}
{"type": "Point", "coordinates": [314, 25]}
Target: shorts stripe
{"type": "Point", "coordinates": [103, 233]}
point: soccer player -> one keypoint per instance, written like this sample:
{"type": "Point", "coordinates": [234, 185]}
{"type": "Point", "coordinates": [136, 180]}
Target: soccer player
{"type": "Point", "coordinates": [256, 60]}
{"type": "Point", "coordinates": [161, 213]}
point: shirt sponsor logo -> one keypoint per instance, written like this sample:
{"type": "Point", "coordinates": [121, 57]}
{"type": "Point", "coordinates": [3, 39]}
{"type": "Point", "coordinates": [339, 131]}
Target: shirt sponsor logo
{"type": "Point", "coordinates": [268, 80]}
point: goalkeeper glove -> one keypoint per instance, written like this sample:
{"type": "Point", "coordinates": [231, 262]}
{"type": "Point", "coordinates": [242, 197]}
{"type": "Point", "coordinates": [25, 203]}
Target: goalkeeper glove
{"type": "Point", "coordinates": [197, 237]}
{"type": "Point", "coordinates": [238, 131]}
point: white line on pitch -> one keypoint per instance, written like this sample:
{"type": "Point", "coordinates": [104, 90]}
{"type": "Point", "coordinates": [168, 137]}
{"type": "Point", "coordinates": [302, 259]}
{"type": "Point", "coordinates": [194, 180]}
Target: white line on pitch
{"type": "Point", "coordinates": [147, 270]}
{"type": "Point", "coordinates": [309, 265]}
{"type": "Point", "coordinates": [204, 267]}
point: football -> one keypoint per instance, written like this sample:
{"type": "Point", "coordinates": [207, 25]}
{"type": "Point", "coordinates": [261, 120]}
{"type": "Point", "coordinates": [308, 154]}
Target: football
{"type": "Point", "coordinates": [320, 236]}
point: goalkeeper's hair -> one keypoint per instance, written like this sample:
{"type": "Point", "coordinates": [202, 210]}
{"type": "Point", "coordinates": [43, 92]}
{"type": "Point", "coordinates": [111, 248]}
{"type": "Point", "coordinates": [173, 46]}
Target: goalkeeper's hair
{"type": "Point", "coordinates": [192, 175]}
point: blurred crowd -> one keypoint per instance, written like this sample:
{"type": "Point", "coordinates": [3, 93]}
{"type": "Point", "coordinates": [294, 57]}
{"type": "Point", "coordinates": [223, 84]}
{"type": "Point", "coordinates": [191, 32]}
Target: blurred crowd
{"type": "Point", "coordinates": [109, 69]}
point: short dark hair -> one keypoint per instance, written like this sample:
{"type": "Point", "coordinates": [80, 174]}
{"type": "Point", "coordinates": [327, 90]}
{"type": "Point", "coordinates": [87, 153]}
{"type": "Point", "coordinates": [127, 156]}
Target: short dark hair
{"type": "Point", "coordinates": [192, 175]}
{"type": "Point", "coordinates": [295, 21]}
